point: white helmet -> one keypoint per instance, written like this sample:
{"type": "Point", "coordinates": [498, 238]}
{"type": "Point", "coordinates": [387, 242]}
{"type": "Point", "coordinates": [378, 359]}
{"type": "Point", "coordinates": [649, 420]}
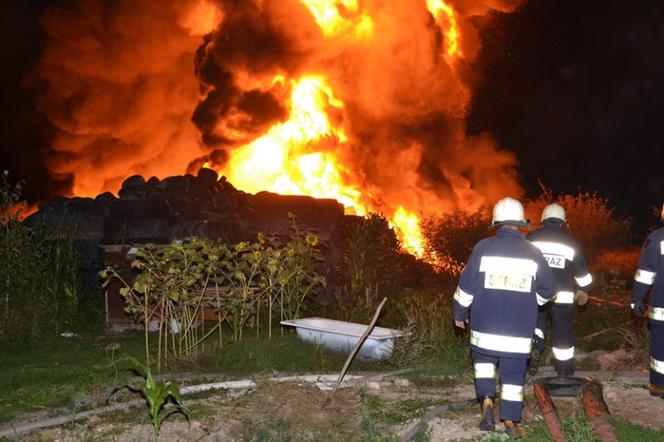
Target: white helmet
{"type": "Point", "coordinates": [509, 211]}
{"type": "Point", "coordinates": [554, 211]}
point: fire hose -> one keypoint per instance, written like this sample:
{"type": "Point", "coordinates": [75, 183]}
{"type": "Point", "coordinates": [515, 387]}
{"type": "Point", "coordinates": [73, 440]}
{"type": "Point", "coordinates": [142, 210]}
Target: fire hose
{"type": "Point", "coordinates": [592, 399]}
{"type": "Point", "coordinates": [599, 300]}
{"type": "Point", "coordinates": [549, 412]}
{"type": "Point", "coordinates": [597, 411]}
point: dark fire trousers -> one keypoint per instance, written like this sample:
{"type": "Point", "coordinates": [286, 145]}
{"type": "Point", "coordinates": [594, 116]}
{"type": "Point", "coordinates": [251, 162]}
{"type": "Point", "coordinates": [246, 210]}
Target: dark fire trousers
{"type": "Point", "coordinates": [657, 353]}
{"type": "Point", "coordinates": [562, 332]}
{"type": "Point", "coordinates": [512, 372]}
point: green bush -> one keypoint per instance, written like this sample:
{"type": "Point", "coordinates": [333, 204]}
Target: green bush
{"type": "Point", "coordinates": [590, 219]}
{"type": "Point", "coordinates": [370, 269]}
{"type": "Point", "coordinates": [40, 285]}
{"type": "Point", "coordinates": [428, 327]}
{"type": "Point", "coordinates": [450, 238]}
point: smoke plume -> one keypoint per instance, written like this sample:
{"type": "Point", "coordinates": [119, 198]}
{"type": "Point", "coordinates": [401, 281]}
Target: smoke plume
{"type": "Point", "coordinates": [120, 89]}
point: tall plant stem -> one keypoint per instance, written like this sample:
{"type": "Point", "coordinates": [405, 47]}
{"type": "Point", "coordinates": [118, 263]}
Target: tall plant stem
{"type": "Point", "coordinates": [147, 325]}
{"type": "Point", "coordinates": [258, 318]}
{"type": "Point", "coordinates": [161, 330]}
{"type": "Point", "coordinates": [203, 338]}
{"type": "Point", "coordinates": [171, 314]}
{"type": "Point", "coordinates": [269, 317]}
{"type": "Point", "coordinates": [219, 318]}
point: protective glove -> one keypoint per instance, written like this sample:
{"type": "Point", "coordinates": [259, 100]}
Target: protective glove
{"type": "Point", "coordinates": [580, 297]}
{"type": "Point", "coordinates": [638, 309]}
{"type": "Point", "coordinates": [461, 324]}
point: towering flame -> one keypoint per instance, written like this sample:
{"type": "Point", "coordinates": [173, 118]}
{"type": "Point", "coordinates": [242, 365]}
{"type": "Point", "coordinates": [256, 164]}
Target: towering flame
{"type": "Point", "coordinates": [359, 100]}
{"type": "Point", "coordinates": [287, 158]}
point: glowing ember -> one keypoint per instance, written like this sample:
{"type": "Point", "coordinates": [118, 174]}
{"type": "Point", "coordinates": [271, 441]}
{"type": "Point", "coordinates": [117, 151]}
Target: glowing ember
{"type": "Point", "coordinates": [439, 9]}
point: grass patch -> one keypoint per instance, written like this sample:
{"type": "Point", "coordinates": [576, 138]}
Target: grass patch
{"type": "Point", "coordinates": [283, 354]}
{"type": "Point", "coordinates": [578, 429]}
{"type": "Point", "coordinates": [77, 374]}
{"type": "Point", "coordinates": [628, 432]}
{"type": "Point", "coordinates": [394, 412]}
{"type": "Point", "coordinates": [275, 432]}
{"type": "Point", "coordinates": [57, 373]}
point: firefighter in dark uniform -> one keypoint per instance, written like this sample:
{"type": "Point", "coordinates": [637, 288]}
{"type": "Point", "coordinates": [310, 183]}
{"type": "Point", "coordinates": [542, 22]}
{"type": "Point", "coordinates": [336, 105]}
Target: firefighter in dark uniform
{"type": "Point", "coordinates": [650, 276]}
{"type": "Point", "coordinates": [499, 290]}
{"type": "Point", "coordinates": [566, 259]}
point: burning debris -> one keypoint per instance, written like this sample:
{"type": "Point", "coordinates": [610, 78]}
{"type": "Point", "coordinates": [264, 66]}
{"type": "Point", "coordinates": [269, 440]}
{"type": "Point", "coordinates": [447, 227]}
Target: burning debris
{"type": "Point", "coordinates": [362, 102]}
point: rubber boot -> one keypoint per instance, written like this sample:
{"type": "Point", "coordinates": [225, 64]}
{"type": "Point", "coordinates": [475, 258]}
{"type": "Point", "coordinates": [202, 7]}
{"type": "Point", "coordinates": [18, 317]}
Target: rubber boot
{"type": "Point", "coordinates": [656, 390]}
{"type": "Point", "coordinates": [514, 429]}
{"type": "Point", "coordinates": [488, 422]}
{"type": "Point", "coordinates": [564, 368]}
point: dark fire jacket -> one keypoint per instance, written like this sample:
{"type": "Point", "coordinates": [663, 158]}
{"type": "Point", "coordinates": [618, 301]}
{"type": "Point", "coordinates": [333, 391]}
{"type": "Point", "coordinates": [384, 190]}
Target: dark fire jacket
{"type": "Point", "coordinates": [650, 273]}
{"type": "Point", "coordinates": [564, 255]}
{"type": "Point", "coordinates": [506, 278]}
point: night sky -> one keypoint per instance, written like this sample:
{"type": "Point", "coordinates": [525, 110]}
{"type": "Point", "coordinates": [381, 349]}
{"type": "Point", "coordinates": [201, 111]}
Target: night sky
{"type": "Point", "coordinates": [575, 88]}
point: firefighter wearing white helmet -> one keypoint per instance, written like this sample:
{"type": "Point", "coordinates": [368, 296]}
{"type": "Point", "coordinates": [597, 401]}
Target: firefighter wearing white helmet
{"type": "Point", "coordinates": [563, 254]}
{"type": "Point", "coordinates": [509, 211]}
{"type": "Point", "coordinates": [650, 277]}
{"type": "Point", "coordinates": [505, 280]}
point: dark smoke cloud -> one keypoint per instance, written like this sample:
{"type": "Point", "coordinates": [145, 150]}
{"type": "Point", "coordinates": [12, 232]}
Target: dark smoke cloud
{"type": "Point", "coordinates": [119, 90]}
{"type": "Point", "coordinates": [255, 39]}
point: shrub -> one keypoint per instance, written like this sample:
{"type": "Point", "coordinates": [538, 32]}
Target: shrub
{"type": "Point", "coordinates": [40, 283]}
{"type": "Point", "coordinates": [370, 267]}
{"type": "Point", "coordinates": [427, 320]}
{"type": "Point", "coordinates": [591, 220]}
{"type": "Point", "coordinates": [619, 263]}
{"type": "Point", "coordinates": [613, 271]}
{"type": "Point", "coordinates": [450, 238]}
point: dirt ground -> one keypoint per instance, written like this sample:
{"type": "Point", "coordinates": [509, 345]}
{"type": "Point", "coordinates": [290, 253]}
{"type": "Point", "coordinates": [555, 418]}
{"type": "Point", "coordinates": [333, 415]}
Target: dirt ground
{"type": "Point", "coordinates": [389, 407]}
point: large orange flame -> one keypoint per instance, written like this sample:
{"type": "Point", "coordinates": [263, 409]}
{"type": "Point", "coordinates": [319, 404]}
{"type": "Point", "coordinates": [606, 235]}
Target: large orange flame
{"type": "Point", "coordinates": [294, 158]}
{"type": "Point", "coordinates": [284, 160]}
